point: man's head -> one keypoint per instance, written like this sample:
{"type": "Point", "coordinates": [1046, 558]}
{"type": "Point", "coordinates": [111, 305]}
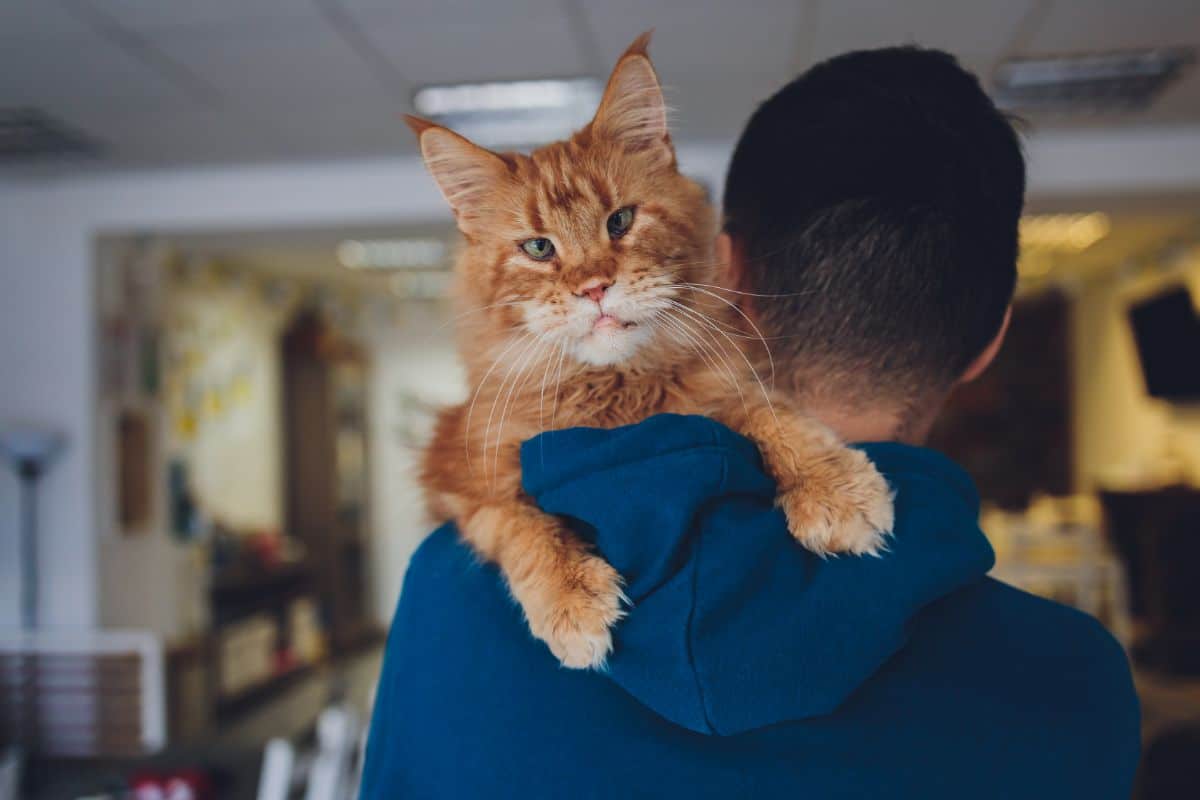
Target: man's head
{"type": "Point", "coordinates": [875, 199]}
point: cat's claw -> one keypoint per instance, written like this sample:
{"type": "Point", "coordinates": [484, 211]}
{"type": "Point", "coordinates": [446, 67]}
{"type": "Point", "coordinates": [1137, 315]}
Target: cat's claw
{"type": "Point", "coordinates": [847, 510]}
{"type": "Point", "coordinates": [576, 621]}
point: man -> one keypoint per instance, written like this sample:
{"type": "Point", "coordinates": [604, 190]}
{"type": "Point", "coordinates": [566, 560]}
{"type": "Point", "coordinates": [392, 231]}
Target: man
{"type": "Point", "coordinates": [871, 218]}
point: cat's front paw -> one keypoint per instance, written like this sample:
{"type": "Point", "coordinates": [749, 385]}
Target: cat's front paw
{"type": "Point", "coordinates": [575, 618]}
{"type": "Point", "coordinates": [845, 507]}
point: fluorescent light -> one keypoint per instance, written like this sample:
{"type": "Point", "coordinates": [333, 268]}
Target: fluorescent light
{"type": "Point", "coordinates": [392, 253]}
{"type": "Point", "coordinates": [436, 101]}
{"type": "Point", "coordinates": [512, 113]}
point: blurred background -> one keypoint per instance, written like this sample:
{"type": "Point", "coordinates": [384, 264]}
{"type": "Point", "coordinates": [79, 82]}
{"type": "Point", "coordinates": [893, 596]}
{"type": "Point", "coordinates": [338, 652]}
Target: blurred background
{"type": "Point", "coordinates": [223, 328]}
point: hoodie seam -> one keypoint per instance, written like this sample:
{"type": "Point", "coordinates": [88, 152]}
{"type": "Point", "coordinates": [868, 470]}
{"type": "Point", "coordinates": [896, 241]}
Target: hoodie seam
{"type": "Point", "coordinates": [709, 447]}
{"type": "Point", "coordinates": [691, 647]}
{"type": "Point", "coordinates": [717, 442]}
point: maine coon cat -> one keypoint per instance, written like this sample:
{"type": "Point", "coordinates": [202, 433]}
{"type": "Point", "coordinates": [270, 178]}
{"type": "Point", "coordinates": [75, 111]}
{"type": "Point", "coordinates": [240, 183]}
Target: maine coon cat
{"type": "Point", "coordinates": [589, 296]}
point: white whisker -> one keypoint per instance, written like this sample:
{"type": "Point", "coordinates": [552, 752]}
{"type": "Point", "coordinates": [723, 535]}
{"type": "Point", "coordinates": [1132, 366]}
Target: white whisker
{"type": "Point", "coordinates": [718, 351]}
{"type": "Point", "coordinates": [478, 389]}
{"type": "Point", "coordinates": [558, 372]}
{"type": "Point", "coordinates": [750, 366]}
{"type": "Point", "coordinates": [518, 382]}
{"type": "Point", "coordinates": [528, 342]}
{"type": "Point", "coordinates": [750, 322]}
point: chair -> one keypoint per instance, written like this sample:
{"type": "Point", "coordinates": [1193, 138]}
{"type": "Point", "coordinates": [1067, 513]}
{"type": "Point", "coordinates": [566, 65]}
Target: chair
{"type": "Point", "coordinates": [328, 772]}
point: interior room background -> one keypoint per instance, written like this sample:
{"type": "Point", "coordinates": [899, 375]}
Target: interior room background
{"type": "Point", "coordinates": [259, 222]}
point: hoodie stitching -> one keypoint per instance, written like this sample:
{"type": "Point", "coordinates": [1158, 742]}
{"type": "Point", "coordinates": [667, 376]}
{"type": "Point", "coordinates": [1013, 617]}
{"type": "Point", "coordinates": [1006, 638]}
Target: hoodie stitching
{"type": "Point", "coordinates": [717, 443]}
{"type": "Point", "coordinates": [691, 652]}
{"type": "Point", "coordinates": [714, 447]}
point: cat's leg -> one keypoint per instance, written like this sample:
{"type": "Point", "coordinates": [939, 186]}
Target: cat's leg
{"type": "Point", "coordinates": [834, 498]}
{"type": "Point", "coordinates": [571, 596]}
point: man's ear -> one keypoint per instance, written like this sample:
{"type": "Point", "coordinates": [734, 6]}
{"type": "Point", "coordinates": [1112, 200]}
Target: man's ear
{"type": "Point", "coordinates": [729, 266]}
{"type": "Point", "coordinates": [466, 173]}
{"type": "Point", "coordinates": [632, 110]}
{"type": "Point", "coordinates": [731, 271]}
{"type": "Point", "coordinates": [985, 359]}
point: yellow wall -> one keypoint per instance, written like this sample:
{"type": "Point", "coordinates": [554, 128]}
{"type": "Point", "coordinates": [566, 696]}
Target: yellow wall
{"type": "Point", "coordinates": [1123, 438]}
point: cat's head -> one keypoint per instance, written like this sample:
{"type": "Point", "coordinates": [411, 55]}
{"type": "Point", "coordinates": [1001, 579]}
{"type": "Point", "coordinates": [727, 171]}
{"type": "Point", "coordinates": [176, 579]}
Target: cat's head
{"type": "Point", "coordinates": [583, 244]}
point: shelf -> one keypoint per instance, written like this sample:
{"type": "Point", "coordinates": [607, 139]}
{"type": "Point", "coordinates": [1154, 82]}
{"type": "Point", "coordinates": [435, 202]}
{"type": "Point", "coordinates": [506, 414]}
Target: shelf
{"type": "Point", "coordinates": [240, 580]}
{"type": "Point", "coordinates": [231, 705]}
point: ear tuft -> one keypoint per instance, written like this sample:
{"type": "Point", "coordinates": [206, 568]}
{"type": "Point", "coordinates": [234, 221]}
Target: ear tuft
{"type": "Point", "coordinates": [640, 46]}
{"type": "Point", "coordinates": [418, 124]}
{"type": "Point", "coordinates": [633, 110]}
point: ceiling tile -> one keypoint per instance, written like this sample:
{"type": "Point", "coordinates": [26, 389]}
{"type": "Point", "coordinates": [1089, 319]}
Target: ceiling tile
{"type": "Point", "coordinates": [705, 37]}
{"type": "Point", "coordinates": [977, 33]}
{"type": "Point", "coordinates": [448, 45]}
{"type": "Point", "coordinates": [1090, 25]}
{"type": "Point", "coordinates": [37, 19]}
{"type": "Point", "coordinates": [484, 13]}
{"type": "Point", "coordinates": [697, 116]}
{"type": "Point", "coordinates": [191, 136]}
{"type": "Point", "coordinates": [295, 60]}
{"type": "Point", "coordinates": [151, 15]}
{"type": "Point", "coordinates": [80, 72]}
{"type": "Point", "coordinates": [1181, 101]}
{"type": "Point", "coordinates": [342, 129]}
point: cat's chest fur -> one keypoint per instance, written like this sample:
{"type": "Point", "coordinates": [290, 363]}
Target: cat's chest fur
{"type": "Point", "coordinates": [610, 398]}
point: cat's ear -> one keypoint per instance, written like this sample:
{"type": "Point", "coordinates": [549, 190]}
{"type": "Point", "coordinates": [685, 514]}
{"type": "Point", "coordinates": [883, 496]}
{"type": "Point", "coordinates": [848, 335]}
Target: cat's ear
{"type": "Point", "coordinates": [633, 110]}
{"type": "Point", "coordinates": [466, 173]}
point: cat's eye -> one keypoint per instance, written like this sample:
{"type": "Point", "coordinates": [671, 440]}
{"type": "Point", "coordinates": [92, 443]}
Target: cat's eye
{"type": "Point", "coordinates": [538, 249]}
{"type": "Point", "coordinates": [620, 221]}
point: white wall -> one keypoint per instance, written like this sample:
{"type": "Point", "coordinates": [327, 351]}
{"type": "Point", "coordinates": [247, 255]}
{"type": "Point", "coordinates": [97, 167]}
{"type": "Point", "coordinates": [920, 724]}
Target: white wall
{"type": "Point", "coordinates": [47, 228]}
{"type": "Point", "coordinates": [413, 361]}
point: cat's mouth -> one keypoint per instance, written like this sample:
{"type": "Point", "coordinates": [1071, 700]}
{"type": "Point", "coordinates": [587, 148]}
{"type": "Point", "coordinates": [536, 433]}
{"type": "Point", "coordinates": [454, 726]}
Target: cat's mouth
{"type": "Point", "coordinates": [608, 322]}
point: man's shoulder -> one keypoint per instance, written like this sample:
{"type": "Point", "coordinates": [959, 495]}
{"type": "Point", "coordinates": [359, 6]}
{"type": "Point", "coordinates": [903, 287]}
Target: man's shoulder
{"type": "Point", "coordinates": [443, 568]}
{"type": "Point", "coordinates": [441, 549]}
{"type": "Point", "coordinates": [447, 581]}
{"type": "Point", "coordinates": [1035, 650]}
{"type": "Point", "coordinates": [988, 618]}
{"type": "Point", "coordinates": [1019, 619]}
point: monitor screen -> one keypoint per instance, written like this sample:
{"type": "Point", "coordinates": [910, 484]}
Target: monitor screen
{"type": "Point", "coordinates": [1166, 329]}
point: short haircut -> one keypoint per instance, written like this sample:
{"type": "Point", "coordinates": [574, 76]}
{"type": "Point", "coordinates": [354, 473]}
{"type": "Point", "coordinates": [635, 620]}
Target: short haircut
{"type": "Point", "coordinates": [876, 198]}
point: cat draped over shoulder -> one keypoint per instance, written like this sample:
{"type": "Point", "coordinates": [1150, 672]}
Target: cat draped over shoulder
{"type": "Point", "coordinates": [588, 295]}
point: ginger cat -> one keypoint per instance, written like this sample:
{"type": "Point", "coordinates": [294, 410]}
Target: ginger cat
{"type": "Point", "coordinates": [589, 294]}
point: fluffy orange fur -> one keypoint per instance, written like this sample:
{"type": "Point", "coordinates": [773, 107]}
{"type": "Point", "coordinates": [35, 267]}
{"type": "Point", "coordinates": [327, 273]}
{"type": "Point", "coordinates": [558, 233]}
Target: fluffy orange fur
{"type": "Point", "coordinates": [617, 323]}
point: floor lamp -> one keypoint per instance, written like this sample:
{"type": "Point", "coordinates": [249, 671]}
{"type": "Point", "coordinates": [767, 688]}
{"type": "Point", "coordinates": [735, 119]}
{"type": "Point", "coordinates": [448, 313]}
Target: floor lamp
{"type": "Point", "coordinates": [29, 451]}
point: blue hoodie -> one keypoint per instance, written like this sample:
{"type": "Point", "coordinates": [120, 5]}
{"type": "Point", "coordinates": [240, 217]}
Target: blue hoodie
{"type": "Point", "coordinates": [747, 667]}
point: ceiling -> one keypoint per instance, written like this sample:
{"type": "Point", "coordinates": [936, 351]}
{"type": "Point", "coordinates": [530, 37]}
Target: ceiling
{"type": "Point", "coordinates": [226, 81]}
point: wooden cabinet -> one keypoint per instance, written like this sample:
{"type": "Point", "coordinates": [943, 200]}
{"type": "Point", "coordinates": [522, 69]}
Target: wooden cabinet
{"type": "Point", "coordinates": [324, 384]}
{"type": "Point", "coordinates": [1157, 536]}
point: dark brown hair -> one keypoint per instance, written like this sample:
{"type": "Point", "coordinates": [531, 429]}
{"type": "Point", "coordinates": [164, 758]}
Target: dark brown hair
{"type": "Point", "coordinates": [879, 193]}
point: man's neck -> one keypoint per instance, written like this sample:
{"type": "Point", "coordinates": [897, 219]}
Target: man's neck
{"type": "Point", "coordinates": [906, 425]}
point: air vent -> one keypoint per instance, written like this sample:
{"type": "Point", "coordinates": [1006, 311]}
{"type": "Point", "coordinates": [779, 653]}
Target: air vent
{"type": "Point", "coordinates": [27, 134]}
{"type": "Point", "coordinates": [1096, 83]}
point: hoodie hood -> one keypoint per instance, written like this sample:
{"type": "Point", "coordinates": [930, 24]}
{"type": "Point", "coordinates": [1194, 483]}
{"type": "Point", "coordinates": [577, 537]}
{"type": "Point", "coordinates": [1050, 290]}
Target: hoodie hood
{"type": "Point", "coordinates": [733, 625]}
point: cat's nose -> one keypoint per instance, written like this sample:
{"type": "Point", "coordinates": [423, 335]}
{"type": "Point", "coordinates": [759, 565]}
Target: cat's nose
{"type": "Point", "coordinates": [594, 289]}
